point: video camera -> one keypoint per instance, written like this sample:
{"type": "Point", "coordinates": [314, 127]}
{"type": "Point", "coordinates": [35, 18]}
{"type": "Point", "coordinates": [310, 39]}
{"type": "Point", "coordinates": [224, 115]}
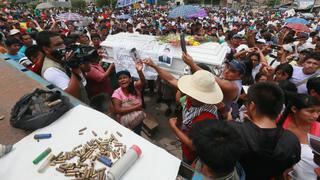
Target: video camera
{"type": "Point", "coordinates": [80, 55]}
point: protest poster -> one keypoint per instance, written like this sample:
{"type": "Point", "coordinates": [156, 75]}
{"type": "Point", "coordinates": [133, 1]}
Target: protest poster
{"type": "Point", "coordinates": [165, 56]}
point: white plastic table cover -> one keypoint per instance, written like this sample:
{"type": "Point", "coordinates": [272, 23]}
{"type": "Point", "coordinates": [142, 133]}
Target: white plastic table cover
{"type": "Point", "coordinates": [154, 163]}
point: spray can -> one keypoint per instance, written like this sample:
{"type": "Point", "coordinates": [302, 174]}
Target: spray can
{"type": "Point", "coordinates": [124, 163]}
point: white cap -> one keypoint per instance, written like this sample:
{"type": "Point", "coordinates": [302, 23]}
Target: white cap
{"type": "Point", "coordinates": [262, 41]}
{"type": "Point", "coordinates": [13, 32]}
{"type": "Point", "coordinates": [241, 47]}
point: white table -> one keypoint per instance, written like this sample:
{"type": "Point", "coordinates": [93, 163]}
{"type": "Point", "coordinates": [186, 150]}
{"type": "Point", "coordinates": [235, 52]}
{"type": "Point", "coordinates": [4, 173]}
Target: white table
{"type": "Point", "coordinates": [154, 163]}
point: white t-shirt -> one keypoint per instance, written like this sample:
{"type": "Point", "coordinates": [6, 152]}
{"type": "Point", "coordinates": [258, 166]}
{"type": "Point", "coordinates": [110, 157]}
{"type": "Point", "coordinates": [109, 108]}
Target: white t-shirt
{"type": "Point", "coordinates": [306, 45]}
{"type": "Point", "coordinates": [273, 23]}
{"type": "Point", "coordinates": [298, 76]}
{"type": "Point", "coordinates": [273, 62]}
{"type": "Point", "coordinates": [57, 77]}
{"type": "Point", "coordinates": [304, 169]}
{"type": "Point", "coordinates": [256, 70]}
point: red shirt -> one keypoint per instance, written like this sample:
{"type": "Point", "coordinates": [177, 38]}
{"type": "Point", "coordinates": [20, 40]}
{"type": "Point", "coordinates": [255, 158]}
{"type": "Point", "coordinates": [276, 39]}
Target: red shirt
{"type": "Point", "coordinates": [36, 68]}
{"type": "Point", "coordinates": [314, 130]}
{"type": "Point", "coordinates": [186, 151]}
{"type": "Point", "coordinates": [97, 84]}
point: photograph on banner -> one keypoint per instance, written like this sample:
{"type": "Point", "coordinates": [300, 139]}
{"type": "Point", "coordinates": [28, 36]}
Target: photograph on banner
{"type": "Point", "coordinates": [135, 55]}
{"type": "Point", "coordinates": [106, 58]}
{"type": "Point", "coordinates": [123, 60]}
{"type": "Point", "coordinates": [165, 56]}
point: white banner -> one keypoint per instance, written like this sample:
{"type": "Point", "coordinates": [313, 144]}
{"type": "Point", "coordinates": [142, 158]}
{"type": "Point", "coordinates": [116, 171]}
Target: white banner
{"type": "Point", "coordinates": [163, 54]}
{"type": "Point", "coordinates": [124, 60]}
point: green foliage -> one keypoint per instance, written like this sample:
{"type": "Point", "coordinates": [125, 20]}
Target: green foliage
{"type": "Point", "coordinates": [78, 4]}
{"type": "Point", "coordinates": [104, 3]}
{"type": "Point", "coordinates": [272, 3]}
{"type": "Point", "coordinates": [101, 3]}
{"type": "Point", "coordinates": [201, 1]}
{"type": "Point", "coordinates": [192, 2]}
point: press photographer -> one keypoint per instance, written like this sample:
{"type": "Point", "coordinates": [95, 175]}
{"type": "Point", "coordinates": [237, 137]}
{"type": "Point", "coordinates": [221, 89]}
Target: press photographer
{"type": "Point", "coordinates": [63, 66]}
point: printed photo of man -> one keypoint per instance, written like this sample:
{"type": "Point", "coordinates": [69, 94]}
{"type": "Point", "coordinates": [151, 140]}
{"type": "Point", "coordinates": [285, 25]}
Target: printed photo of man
{"type": "Point", "coordinates": [165, 58]}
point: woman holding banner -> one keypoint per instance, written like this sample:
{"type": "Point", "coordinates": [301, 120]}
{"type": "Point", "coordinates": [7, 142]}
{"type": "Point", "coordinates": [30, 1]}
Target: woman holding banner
{"type": "Point", "coordinates": [127, 99]}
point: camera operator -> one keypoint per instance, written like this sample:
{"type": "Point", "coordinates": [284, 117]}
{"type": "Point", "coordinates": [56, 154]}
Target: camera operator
{"type": "Point", "coordinates": [54, 69]}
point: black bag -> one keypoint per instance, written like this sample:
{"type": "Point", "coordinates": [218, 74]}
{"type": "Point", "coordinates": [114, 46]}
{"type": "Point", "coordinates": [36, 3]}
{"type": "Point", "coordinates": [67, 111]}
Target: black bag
{"type": "Point", "coordinates": [32, 111]}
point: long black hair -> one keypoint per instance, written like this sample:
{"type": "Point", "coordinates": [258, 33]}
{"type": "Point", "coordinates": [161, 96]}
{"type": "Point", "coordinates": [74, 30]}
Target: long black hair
{"type": "Point", "coordinates": [247, 78]}
{"type": "Point", "coordinates": [300, 101]}
{"type": "Point", "coordinates": [131, 89]}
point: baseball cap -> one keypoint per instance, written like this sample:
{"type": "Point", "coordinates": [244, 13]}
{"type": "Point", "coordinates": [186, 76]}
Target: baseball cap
{"type": "Point", "coordinates": [237, 36]}
{"type": "Point", "coordinates": [236, 65]}
{"type": "Point", "coordinates": [241, 47]}
{"type": "Point", "coordinates": [261, 41]}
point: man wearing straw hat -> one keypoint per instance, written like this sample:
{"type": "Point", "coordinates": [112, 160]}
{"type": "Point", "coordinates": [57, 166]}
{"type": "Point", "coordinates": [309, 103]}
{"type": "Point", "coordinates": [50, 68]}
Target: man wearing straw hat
{"type": "Point", "coordinates": [230, 83]}
{"type": "Point", "coordinates": [202, 93]}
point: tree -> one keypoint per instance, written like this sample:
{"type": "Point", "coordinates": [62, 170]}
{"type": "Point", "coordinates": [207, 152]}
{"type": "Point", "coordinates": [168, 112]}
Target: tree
{"type": "Point", "coordinates": [78, 4]}
{"type": "Point", "coordinates": [191, 1]}
{"type": "Point", "coordinates": [103, 3]}
{"type": "Point", "coordinates": [272, 3]}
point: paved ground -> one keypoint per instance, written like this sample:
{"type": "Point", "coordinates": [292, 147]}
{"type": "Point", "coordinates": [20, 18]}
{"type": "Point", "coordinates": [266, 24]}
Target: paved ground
{"type": "Point", "coordinates": [14, 85]}
{"type": "Point", "coordinates": [164, 136]}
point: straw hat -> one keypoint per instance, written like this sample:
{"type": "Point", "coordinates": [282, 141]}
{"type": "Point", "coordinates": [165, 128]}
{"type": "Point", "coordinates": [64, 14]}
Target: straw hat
{"type": "Point", "coordinates": [201, 86]}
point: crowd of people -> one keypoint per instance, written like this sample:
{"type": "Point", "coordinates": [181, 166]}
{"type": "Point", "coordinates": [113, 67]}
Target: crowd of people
{"type": "Point", "coordinates": [250, 122]}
